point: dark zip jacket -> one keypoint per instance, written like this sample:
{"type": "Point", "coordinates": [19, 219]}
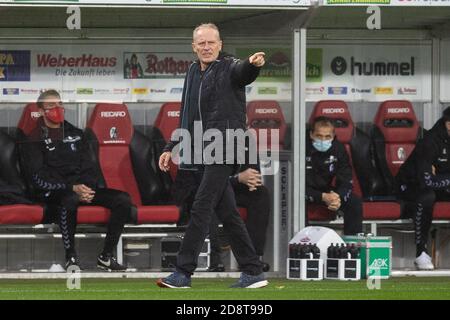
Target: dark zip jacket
{"type": "Point", "coordinates": [416, 173]}
{"type": "Point", "coordinates": [57, 159]}
{"type": "Point", "coordinates": [221, 96]}
{"type": "Point", "coordinates": [323, 167]}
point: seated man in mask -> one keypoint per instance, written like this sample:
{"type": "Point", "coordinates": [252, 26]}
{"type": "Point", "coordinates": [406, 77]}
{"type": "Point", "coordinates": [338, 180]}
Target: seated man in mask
{"type": "Point", "coordinates": [326, 160]}
{"type": "Point", "coordinates": [58, 169]}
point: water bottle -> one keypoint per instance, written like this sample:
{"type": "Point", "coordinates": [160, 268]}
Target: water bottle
{"type": "Point", "coordinates": [316, 251]}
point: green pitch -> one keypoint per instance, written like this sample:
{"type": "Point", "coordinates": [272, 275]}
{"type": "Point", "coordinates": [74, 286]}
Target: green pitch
{"type": "Point", "coordinates": [217, 289]}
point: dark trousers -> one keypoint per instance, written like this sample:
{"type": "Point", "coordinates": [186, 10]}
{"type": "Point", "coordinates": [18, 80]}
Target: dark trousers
{"type": "Point", "coordinates": [64, 206]}
{"type": "Point", "coordinates": [419, 207]}
{"type": "Point", "coordinates": [353, 215]}
{"type": "Point", "coordinates": [215, 196]}
{"type": "Point", "coordinates": [258, 207]}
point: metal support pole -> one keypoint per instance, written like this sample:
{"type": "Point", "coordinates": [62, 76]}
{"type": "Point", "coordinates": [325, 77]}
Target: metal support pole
{"type": "Point", "coordinates": [120, 250]}
{"type": "Point", "coordinates": [299, 129]}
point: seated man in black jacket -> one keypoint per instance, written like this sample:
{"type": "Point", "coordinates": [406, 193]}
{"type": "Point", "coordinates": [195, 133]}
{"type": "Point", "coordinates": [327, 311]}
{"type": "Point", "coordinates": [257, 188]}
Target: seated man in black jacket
{"type": "Point", "coordinates": [61, 174]}
{"type": "Point", "coordinates": [423, 179]}
{"type": "Point", "coordinates": [326, 159]}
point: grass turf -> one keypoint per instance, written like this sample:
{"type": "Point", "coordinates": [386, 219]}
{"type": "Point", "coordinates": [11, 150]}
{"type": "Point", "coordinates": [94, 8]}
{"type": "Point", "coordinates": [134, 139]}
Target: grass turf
{"type": "Point", "coordinates": [217, 289]}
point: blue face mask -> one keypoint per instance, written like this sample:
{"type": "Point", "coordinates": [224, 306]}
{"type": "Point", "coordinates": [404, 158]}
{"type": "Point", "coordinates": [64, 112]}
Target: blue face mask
{"type": "Point", "coordinates": [322, 145]}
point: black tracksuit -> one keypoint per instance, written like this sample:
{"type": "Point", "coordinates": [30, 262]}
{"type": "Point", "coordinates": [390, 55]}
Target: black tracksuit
{"type": "Point", "coordinates": [220, 105]}
{"type": "Point", "coordinates": [55, 160]}
{"type": "Point", "coordinates": [416, 184]}
{"type": "Point", "coordinates": [321, 169]}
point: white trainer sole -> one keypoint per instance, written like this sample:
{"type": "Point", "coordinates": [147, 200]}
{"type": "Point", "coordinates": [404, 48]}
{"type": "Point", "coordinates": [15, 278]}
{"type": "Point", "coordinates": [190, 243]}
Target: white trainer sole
{"type": "Point", "coordinates": [422, 268]}
{"type": "Point", "coordinates": [259, 284]}
{"type": "Point", "coordinates": [162, 284]}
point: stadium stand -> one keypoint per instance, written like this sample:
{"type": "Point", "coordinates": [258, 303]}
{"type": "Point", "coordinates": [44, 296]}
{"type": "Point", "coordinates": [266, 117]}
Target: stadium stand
{"type": "Point", "coordinates": [166, 122]}
{"type": "Point", "coordinates": [115, 161]}
{"type": "Point", "coordinates": [366, 183]}
{"type": "Point", "coordinates": [394, 135]}
{"type": "Point", "coordinates": [392, 130]}
{"type": "Point", "coordinates": [125, 165]}
{"type": "Point", "coordinates": [267, 115]}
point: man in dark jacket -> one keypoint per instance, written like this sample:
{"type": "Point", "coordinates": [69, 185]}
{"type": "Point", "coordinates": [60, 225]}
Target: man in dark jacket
{"type": "Point", "coordinates": [214, 98]}
{"type": "Point", "coordinates": [60, 173]}
{"type": "Point", "coordinates": [326, 159]}
{"type": "Point", "coordinates": [422, 180]}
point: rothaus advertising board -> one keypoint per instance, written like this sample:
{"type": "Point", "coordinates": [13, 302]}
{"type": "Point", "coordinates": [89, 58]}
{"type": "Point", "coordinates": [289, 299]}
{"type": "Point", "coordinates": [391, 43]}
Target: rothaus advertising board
{"type": "Point", "coordinates": [133, 73]}
{"type": "Point", "coordinates": [121, 72]}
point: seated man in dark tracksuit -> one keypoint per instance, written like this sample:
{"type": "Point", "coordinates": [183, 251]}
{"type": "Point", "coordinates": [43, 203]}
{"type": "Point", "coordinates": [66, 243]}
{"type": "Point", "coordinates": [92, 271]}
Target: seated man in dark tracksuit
{"type": "Point", "coordinates": [422, 180]}
{"type": "Point", "coordinates": [61, 174]}
{"type": "Point", "coordinates": [326, 160]}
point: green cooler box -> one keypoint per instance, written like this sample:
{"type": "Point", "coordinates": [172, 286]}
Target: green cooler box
{"type": "Point", "coordinates": [375, 255]}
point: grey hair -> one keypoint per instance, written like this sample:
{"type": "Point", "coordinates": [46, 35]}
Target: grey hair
{"type": "Point", "coordinates": [206, 25]}
{"type": "Point", "coordinates": [44, 95]}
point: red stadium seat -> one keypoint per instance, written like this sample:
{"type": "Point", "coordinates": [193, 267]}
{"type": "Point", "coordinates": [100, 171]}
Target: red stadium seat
{"type": "Point", "coordinates": [167, 121]}
{"type": "Point", "coordinates": [394, 137]}
{"type": "Point", "coordinates": [267, 115]}
{"type": "Point", "coordinates": [168, 118]}
{"type": "Point", "coordinates": [112, 127]}
{"type": "Point", "coordinates": [29, 118]}
{"type": "Point", "coordinates": [441, 211]}
{"type": "Point", "coordinates": [93, 215]}
{"type": "Point", "coordinates": [21, 214]}
{"type": "Point", "coordinates": [338, 111]}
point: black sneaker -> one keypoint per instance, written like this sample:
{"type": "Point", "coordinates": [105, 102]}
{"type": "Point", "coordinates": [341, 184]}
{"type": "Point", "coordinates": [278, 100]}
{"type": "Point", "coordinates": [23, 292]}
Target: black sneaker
{"type": "Point", "coordinates": [72, 262]}
{"type": "Point", "coordinates": [109, 263]}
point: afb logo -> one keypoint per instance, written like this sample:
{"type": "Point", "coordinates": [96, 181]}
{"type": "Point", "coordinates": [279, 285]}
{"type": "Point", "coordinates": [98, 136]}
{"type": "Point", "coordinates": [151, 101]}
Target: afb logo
{"type": "Point", "coordinates": [338, 66]}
